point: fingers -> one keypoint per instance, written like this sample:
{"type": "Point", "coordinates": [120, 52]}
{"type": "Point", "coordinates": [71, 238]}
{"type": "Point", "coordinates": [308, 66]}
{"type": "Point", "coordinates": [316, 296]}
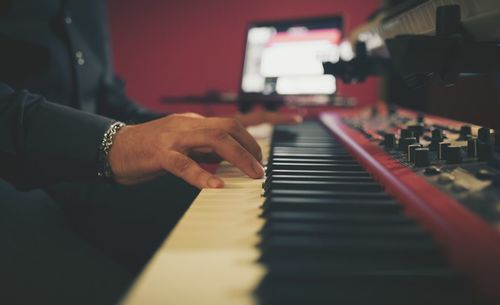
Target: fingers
{"type": "Point", "coordinates": [281, 118]}
{"type": "Point", "coordinates": [224, 145]}
{"type": "Point", "coordinates": [259, 117]}
{"type": "Point", "coordinates": [239, 133]}
{"type": "Point", "coordinates": [188, 170]}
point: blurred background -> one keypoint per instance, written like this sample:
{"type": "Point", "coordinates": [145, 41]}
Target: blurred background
{"type": "Point", "coordinates": [188, 47]}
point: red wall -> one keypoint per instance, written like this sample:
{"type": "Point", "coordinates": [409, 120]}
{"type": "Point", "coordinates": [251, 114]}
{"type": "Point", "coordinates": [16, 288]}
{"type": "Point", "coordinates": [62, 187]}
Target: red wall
{"type": "Point", "coordinates": [166, 47]}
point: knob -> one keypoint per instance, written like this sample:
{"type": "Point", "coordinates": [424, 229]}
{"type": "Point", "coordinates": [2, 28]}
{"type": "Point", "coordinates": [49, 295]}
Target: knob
{"type": "Point", "coordinates": [406, 133]}
{"type": "Point", "coordinates": [454, 154]}
{"type": "Point", "coordinates": [432, 171]}
{"type": "Point", "coordinates": [442, 150]}
{"type": "Point", "coordinates": [484, 135]}
{"type": "Point", "coordinates": [422, 157]}
{"type": "Point", "coordinates": [405, 142]}
{"type": "Point", "coordinates": [389, 140]}
{"type": "Point", "coordinates": [465, 132]}
{"type": "Point", "coordinates": [418, 130]}
{"type": "Point", "coordinates": [436, 138]}
{"type": "Point", "coordinates": [484, 151]}
{"type": "Point", "coordinates": [472, 148]}
{"type": "Point", "coordinates": [411, 151]}
{"type": "Point", "coordinates": [437, 135]}
{"type": "Point", "coordinates": [421, 117]}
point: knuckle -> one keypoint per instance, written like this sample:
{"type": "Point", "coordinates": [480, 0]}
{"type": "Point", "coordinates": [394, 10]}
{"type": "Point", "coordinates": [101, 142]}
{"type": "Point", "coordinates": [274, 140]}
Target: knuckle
{"type": "Point", "coordinates": [181, 164]}
{"type": "Point", "coordinates": [233, 124]}
{"type": "Point", "coordinates": [219, 134]}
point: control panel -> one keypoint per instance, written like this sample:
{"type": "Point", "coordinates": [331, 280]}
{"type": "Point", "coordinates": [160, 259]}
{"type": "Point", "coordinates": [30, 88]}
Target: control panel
{"type": "Point", "coordinates": [458, 158]}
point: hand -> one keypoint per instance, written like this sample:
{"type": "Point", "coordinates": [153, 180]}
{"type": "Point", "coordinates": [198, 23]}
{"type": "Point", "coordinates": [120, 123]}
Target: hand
{"type": "Point", "coordinates": [261, 116]}
{"type": "Point", "coordinates": [142, 152]}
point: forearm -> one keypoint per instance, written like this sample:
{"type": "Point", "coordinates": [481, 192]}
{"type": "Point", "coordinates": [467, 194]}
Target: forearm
{"type": "Point", "coordinates": [42, 143]}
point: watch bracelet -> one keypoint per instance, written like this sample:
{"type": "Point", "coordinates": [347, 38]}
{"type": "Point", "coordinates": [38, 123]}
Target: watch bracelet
{"type": "Point", "coordinates": [104, 168]}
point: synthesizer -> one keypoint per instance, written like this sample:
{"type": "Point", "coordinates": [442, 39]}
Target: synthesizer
{"type": "Point", "coordinates": [375, 206]}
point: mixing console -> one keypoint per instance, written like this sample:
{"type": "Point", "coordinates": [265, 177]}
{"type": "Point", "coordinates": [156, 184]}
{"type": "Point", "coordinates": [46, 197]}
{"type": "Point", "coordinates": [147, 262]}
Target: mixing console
{"type": "Point", "coordinates": [455, 157]}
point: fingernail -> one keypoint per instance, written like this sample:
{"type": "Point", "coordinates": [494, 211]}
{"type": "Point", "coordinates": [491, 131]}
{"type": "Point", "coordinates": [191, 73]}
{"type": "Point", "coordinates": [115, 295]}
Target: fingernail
{"type": "Point", "coordinates": [214, 182]}
{"type": "Point", "coordinates": [257, 167]}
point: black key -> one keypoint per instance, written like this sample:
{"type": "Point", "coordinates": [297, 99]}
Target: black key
{"type": "Point", "coordinates": [324, 185]}
{"type": "Point", "coordinates": [314, 166]}
{"type": "Point", "coordinates": [291, 204]}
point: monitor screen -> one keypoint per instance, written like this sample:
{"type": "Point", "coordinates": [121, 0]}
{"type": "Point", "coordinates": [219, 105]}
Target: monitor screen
{"type": "Point", "coordinates": [285, 58]}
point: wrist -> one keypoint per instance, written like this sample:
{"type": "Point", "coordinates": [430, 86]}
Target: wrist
{"type": "Point", "coordinates": [104, 165]}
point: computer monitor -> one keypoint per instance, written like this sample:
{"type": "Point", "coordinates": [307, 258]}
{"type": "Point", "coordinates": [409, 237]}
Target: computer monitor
{"type": "Point", "coordinates": [285, 58]}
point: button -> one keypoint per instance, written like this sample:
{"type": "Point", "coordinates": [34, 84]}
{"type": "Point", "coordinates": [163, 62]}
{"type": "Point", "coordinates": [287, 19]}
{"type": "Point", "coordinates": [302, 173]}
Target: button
{"type": "Point", "coordinates": [432, 171]}
{"type": "Point", "coordinates": [422, 157]}
{"type": "Point", "coordinates": [68, 20]}
{"type": "Point", "coordinates": [79, 58]}
{"type": "Point", "coordinates": [446, 178]}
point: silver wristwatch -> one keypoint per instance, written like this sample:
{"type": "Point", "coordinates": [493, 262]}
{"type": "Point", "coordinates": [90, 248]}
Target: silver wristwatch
{"type": "Point", "coordinates": [104, 169]}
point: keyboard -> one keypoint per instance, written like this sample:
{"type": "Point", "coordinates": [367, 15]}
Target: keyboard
{"type": "Point", "coordinates": [321, 228]}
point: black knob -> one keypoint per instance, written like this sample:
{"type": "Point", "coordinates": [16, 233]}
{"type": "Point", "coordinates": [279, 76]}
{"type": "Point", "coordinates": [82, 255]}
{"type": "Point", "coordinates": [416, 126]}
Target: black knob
{"type": "Point", "coordinates": [418, 130]}
{"type": "Point", "coordinates": [405, 142]}
{"type": "Point", "coordinates": [411, 151]}
{"type": "Point", "coordinates": [420, 117]}
{"type": "Point", "coordinates": [472, 148]}
{"type": "Point", "coordinates": [406, 133]}
{"type": "Point", "coordinates": [432, 171]}
{"type": "Point", "coordinates": [437, 135]}
{"type": "Point", "coordinates": [436, 138]}
{"type": "Point", "coordinates": [443, 146]}
{"type": "Point", "coordinates": [389, 140]}
{"type": "Point", "coordinates": [465, 132]}
{"type": "Point", "coordinates": [484, 135]}
{"type": "Point", "coordinates": [454, 154]}
{"type": "Point", "coordinates": [484, 151]}
{"type": "Point", "coordinates": [422, 157]}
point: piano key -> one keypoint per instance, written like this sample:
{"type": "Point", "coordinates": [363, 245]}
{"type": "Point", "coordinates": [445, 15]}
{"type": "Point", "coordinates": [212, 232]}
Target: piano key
{"type": "Point", "coordinates": [323, 185]}
{"type": "Point", "coordinates": [328, 194]}
{"type": "Point", "coordinates": [314, 166]}
{"type": "Point", "coordinates": [334, 229]}
{"type": "Point", "coordinates": [317, 172]}
{"type": "Point", "coordinates": [330, 204]}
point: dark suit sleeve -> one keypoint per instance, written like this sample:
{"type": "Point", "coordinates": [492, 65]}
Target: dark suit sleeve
{"type": "Point", "coordinates": [42, 143]}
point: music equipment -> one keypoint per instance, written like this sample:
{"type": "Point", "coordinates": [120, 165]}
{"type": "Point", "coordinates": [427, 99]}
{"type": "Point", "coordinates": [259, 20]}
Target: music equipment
{"type": "Point", "coordinates": [373, 206]}
{"type": "Point", "coordinates": [380, 206]}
